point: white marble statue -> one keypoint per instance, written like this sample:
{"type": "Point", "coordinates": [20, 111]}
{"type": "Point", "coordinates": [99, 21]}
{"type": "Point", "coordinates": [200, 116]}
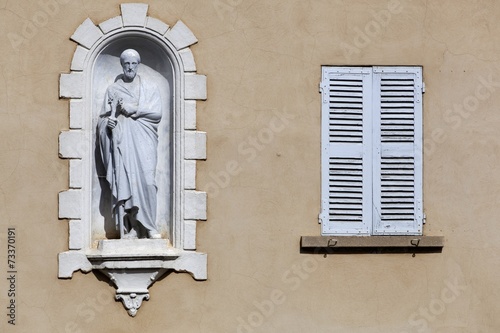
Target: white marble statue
{"type": "Point", "coordinates": [127, 133]}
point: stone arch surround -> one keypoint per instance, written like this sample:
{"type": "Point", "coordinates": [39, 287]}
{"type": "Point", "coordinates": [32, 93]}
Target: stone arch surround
{"type": "Point", "coordinates": [189, 145]}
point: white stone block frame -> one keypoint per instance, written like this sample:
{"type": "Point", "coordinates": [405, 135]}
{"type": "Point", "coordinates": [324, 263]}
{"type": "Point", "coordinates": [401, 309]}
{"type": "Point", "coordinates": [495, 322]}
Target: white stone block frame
{"type": "Point", "coordinates": [150, 260]}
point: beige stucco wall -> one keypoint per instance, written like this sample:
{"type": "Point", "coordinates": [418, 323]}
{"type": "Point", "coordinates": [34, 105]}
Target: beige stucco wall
{"type": "Point", "coordinates": [263, 59]}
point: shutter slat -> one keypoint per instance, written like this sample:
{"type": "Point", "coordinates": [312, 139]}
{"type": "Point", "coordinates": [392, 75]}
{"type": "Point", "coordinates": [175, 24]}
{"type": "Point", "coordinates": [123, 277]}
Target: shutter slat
{"type": "Point", "coordinates": [402, 81]}
{"type": "Point", "coordinates": [346, 99]}
{"type": "Point", "coordinates": [387, 92]}
{"type": "Point", "coordinates": [396, 111]}
{"type": "Point", "coordinates": [352, 126]}
{"type": "Point", "coordinates": [340, 116]}
{"type": "Point", "coordinates": [339, 88]}
{"type": "Point", "coordinates": [397, 104]}
{"type": "Point", "coordinates": [342, 82]}
{"type": "Point", "coordinates": [396, 88]}
{"type": "Point", "coordinates": [351, 93]}
{"type": "Point", "coordinates": [387, 116]}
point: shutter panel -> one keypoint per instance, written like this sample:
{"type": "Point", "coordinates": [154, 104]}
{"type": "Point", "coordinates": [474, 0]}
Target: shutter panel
{"type": "Point", "coordinates": [397, 173]}
{"type": "Point", "coordinates": [346, 151]}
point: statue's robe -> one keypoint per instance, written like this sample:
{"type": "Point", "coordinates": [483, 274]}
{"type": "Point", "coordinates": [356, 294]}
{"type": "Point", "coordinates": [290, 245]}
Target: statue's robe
{"type": "Point", "coordinates": [129, 152]}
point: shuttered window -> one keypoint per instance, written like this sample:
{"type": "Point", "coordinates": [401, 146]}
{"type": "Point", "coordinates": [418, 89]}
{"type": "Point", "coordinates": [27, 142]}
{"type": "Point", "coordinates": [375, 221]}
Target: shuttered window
{"type": "Point", "coordinates": [371, 151]}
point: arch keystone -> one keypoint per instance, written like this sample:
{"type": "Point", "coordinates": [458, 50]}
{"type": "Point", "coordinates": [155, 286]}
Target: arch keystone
{"type": "Point", "coordinates": [134, 14]}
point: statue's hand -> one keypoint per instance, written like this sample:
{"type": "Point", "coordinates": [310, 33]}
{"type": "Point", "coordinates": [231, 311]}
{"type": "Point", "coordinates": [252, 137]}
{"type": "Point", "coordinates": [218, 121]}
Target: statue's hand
{"type": "Point", "coordinates": [112, 123]}
{"type": "Point", "coordinates": [128, 109]}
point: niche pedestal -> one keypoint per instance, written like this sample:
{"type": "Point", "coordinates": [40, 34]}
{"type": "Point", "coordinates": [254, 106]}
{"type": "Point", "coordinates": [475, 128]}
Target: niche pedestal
{"type": "Point", "coordinates": [133, 266]}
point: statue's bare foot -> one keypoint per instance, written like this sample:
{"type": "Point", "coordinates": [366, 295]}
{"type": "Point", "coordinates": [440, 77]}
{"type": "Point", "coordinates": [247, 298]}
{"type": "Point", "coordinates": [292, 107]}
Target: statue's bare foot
{"type": "Point", "coordinates": [154, 235]}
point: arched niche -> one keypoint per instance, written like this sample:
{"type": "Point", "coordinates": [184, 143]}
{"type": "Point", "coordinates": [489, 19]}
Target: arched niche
{"type": "Point", "coordinates": [157, 67]}
{"type": "Point", "coordinates": [133, 265]}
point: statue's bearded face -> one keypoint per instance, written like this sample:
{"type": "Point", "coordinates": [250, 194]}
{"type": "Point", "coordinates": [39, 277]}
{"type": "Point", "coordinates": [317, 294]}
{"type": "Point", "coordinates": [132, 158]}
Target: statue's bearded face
{"type": "Point", "coordinates": [129, 65]}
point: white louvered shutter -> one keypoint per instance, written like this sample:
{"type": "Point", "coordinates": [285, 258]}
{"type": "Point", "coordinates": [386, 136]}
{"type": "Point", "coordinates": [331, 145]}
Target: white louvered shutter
{"type": "Point", "coordinates": [397, 171]}
{"type": "Point", "coordinates": [346, 193]}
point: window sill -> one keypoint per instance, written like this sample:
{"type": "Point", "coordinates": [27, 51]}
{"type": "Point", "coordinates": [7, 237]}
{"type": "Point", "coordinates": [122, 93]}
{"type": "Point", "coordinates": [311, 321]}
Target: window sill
{"type": "Point", "coordinates": [371, 244]}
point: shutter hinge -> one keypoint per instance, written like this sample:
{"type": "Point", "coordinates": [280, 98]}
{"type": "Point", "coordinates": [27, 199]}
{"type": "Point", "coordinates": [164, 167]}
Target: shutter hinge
{"type": "Point", "coordinates": [423, 87]}
{"type": "Point", "coordinates": [424, 218]}
{"type": "Point", "coordinates": [321, 87]}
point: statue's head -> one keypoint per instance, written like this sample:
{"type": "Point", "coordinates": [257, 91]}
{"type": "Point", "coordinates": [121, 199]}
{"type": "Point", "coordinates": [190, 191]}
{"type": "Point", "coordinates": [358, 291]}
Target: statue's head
{"type": "Point", "coordinates": [130, 60]}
